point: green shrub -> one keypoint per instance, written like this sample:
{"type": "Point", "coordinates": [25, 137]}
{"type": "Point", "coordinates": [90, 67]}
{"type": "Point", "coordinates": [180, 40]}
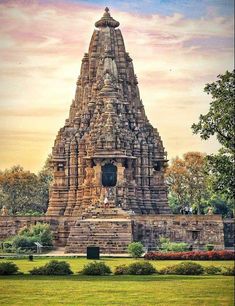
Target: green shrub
{"type": "Point", "coordinates": [22, 243]}
{"type": "Point", "coordinates": [167, 270]}
{"type": "Point", "coordinates": [141, 268]}
{"type": "Point", "coordinates": [184, 268]}
{"type": "Point", "coordinates": [54, 267]}
{"type": "Point", "coordinates": [43, 234]}
{"type": "Point", "coordinates": [135, 249]}
{"type": "Point", "coordinates": [209, 247]}
{"type": "Point", "coordinates": [120, 270]}
{"type": "Point", "coordinates": [167, 246]}
{"type": "Point", "coordinates": [212, 270]}
{"type": "Point", "coordinates": [26, 238]}
{"type": "Point", "coordinates": [8, 268]}
{"type": "Point", "coordinates": [96, 268]}
{"type": "Point", "coordinates": [40, 232]}
{"type": "Point", "coordinates": [38, 271]}
{"type": "Point", "coordinates": [229, 271]}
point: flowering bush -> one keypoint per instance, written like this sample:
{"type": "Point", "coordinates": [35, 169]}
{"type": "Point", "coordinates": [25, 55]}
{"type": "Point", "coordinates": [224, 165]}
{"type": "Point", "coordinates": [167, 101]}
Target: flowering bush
{"type": "Point", "coordinates": [192, 255]}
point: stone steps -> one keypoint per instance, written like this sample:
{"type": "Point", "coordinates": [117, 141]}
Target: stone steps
{"type": "Point", "coordinates": [111, 235]}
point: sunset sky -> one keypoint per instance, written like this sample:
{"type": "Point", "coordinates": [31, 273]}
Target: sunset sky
{"type": "Point", "coordinates": [177, 47]}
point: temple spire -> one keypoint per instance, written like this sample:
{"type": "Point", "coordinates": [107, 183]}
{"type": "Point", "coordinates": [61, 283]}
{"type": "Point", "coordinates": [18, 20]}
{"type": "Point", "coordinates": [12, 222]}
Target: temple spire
{"type": "Point", "coordinates": [107, 20]}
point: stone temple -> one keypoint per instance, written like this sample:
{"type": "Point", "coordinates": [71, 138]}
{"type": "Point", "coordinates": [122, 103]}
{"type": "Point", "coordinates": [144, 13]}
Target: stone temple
{"type": "Point", "coordinates": [108, 163]}
{"type": "Point", "coordinates": [108, 154]}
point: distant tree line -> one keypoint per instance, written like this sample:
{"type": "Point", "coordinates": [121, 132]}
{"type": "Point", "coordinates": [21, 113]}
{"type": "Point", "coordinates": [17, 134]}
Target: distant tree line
{"type": "Point", "coordinates": [191, 187]}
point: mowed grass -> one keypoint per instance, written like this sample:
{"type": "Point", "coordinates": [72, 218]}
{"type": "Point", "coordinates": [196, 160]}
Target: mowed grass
{"type": "Point", "coordinates": [115, 290]}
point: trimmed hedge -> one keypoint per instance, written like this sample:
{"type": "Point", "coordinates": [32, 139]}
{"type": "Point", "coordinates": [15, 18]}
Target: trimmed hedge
{"type": "Point", "coordinates": [8, 268]}
{"type": "Point", "coordinates": [141, 268]}
{"type": "Point", "coordinates": [121, 270]}
{"type": "Point", "coordinates": [184, 268]}
{"type": "Point", "coordinates": [229, 271]}
{"type": "Point", "coordinates": [54, 267]}
{"type": "Point", "coordinates": [136, 268]}
{"type": "Point", "coordinates": [193, 255]}
{"type": "Point", "coordinates": [96, 268]}
{"type": "Point", "coordinates": [212, 270]}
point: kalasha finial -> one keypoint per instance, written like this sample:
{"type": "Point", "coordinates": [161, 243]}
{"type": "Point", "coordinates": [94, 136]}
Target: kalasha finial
{"type": "Point", "coordinates": [107, 20]}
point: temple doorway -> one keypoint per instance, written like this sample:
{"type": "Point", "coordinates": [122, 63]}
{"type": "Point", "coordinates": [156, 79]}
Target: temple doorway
{"type": "Point", "coordinates": [109, 175]}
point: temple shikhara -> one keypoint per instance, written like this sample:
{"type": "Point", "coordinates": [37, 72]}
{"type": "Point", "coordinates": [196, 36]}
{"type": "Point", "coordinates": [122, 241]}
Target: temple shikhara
{"type": "Point", "coordinates": [108, 163]}
{"type": "Point", "coordinates": [108, 154]}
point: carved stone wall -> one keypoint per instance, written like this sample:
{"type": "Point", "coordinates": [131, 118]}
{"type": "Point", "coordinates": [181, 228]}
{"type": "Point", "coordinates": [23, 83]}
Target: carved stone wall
{"type": "Point", "coordinates": [229, 230]}
{"type": "Point", "coordinates": [114, 234]}
{"type": "Point", "coordinates": [195, 230]}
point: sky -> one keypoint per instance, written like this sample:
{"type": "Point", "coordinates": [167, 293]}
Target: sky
{"type": "Point", "coordinates": [177, 46]}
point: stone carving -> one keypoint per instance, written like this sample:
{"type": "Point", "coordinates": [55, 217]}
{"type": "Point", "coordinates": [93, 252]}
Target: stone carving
{"type": "Point", "coordinates": [107, 124]}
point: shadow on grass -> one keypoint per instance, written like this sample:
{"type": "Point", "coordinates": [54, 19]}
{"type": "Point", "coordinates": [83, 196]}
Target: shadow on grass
{"type": "Point", "coordinates": [111, 278]}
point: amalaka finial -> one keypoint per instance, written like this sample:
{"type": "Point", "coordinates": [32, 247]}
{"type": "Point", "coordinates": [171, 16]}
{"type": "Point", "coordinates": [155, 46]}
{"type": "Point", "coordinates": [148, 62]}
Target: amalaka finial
{"type": "Point", "coordinates": [107, 20]}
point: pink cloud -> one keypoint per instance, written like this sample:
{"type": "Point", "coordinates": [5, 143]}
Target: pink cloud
{"type": "Point", "coordinates": [42, 44]}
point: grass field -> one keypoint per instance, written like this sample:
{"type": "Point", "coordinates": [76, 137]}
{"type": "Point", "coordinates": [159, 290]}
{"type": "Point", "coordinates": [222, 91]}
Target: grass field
{"type": "Point", "coordinates": [115, 290]}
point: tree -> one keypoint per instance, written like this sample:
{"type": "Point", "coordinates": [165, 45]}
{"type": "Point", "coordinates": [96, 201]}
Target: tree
{"type": "Point", "coordinates": [18, 189]}
{"type": "Point", "coordinates": [176, 178]}
{"type": "Point", "coordinates": [187, 181]}
{"type": "Point", "coordinates": [220, 205]}
{"type": "Point", "coordinates": [219, 121]}
{"type": "Point", "coordinates": [23, 192]}
{"type": "Point", "coordinates": [45, 177]}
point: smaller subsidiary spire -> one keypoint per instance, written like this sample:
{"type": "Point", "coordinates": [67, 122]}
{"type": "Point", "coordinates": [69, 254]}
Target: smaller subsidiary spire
{"type": "Point", "coordinates": [107, 20]}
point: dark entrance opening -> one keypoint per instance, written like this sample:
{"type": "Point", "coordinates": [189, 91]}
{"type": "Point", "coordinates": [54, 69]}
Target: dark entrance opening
{"type": "Point", "coordinates": [109, 175]}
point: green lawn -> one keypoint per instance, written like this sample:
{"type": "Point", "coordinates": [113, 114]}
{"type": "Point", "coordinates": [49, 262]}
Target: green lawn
{"type": "Point", "coordinates": [115, 290]}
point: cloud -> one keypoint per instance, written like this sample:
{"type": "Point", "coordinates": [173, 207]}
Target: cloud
{"type": "Point", "coordinates": [31, 112]}
{"type": "Point", "coordinates": [42, 44]}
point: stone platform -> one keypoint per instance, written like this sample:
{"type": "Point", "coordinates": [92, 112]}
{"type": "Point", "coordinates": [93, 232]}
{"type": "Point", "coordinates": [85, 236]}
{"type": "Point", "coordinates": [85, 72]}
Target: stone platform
{"type": "Point", "coordinates": [113, 235]}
